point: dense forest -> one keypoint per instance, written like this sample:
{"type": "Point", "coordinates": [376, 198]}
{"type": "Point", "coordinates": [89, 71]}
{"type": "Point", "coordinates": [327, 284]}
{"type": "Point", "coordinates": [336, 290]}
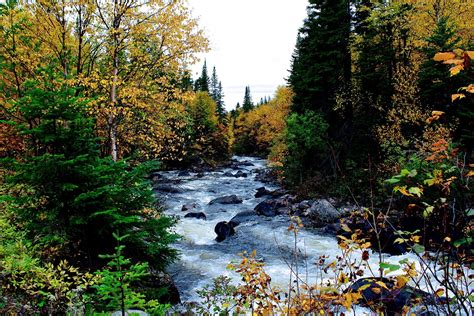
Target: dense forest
{"type": "Point", "coordinates": [96, 96]}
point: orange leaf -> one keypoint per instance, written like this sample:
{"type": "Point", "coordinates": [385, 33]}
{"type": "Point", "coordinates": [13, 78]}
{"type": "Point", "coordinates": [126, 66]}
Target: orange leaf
{"type": "Point", "coordinates": [456, 70]}
{"type": "Point", "coordinates": [457, 96]}
{"type": "Point", "coordinates": [470, 88]}
{"type": "Point", "coordinates": [470, 174]}
{"type": "Point", "coordinates": [470, 54]}
{"type": "Point", "coordinates": [454, 62]}
{"type": "Point", "coordinates": [444, 56]}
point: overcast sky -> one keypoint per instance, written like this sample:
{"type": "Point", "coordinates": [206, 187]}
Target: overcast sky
{"type": "Point", "coordinates": [251, 43]}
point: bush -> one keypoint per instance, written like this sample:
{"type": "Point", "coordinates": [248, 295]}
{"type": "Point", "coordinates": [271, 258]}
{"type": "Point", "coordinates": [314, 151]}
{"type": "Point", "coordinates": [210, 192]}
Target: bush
{"type": "Point", "coordinates": [305, 137]}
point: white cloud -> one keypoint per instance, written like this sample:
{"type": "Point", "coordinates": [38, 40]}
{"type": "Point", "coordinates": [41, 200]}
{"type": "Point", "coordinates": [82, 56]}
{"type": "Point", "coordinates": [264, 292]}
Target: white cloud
{"type": "Point", "coordinates": [251, 43]}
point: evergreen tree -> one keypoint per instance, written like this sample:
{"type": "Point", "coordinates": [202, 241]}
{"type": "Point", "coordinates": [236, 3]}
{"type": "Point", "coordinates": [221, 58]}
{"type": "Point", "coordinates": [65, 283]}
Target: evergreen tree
{"type": "Point", "coordinates": [436, 84]}
{"type": "Point", "coordinates": [220, 106]}
{"type": "Point", "coordinates": [247, 105]}
{"type": "Point", "coordinates": [75, 197]}
{"type": "Point", "coordinates": [203, 82]}
{"type": "Point", "coordinates": [321, 61]}
{"type": "Point", "coordinates": [214, 86]}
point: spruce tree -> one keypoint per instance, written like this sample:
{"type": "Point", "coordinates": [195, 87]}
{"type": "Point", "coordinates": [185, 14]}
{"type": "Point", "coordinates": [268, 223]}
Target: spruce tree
{"type": "Point", "coordinates": [220, 106]}
{"type": "Point", "coordinates": [321, 61]}
{"type": "Point", "coordinates": [203, 82]}
{"type": "Point", "coordinates": [436, 84]}
{"type": "Point", "coordinates": [214, 86]}
{"type": "Point", "coordinates": [247, 105]}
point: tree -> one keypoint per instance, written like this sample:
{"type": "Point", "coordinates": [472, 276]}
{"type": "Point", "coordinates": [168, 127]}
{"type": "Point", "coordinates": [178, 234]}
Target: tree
{"type": "Point", "coordinates": [247, 105]}
{"type": "Point", "coordinates": [435, 82]}
{"type": "Point", "coordinates": [214, 85]}
{"type": "Point", "coordinates": [203, 83]}
{"type": "Point", "coordinates": [74, 197]}
{"type": "Point", "coordinates": [221, 112]}
{"type": "Point", "coordinates": [321, 61]}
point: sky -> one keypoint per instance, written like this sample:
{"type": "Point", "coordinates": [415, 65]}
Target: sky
{"type": "Point", "coordinates": [251, 43]}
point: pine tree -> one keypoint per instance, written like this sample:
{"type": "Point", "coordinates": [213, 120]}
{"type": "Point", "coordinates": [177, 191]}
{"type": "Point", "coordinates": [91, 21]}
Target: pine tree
{"type": "Point", "coordinates": [247, 105]}
{"type": "Point", "coordinates": [321, 61]}
{"type": "Point", "coordinates": [203, 82]}
{"type": "Point", "coordinates": [436, 84]}
{"type": "Point", "coordinates": [214, 86]}
{"type": "Point", "coordinates": [220, 106]}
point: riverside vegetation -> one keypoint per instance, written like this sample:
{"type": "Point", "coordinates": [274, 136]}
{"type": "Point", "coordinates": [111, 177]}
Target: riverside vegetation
{"type": "Point", "coordinates": [96, 99]}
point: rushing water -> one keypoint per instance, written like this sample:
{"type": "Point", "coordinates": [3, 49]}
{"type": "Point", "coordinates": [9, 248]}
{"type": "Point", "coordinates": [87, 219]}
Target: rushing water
{"type": "Point", "coordinates": [202, 258]}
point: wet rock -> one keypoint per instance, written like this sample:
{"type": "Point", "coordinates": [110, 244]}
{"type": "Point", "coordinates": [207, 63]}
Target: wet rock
{"type": "Point", "coordinates": [200, 175]}
{"type": "Point", "coordinates": [230, 199]}
{"type": "Point", "coordinates": [262, 192]}
{"type": "Point", "coordinates": [332, 229]}
{"type": "Point", "coordinates": [228, 174]}
{"type": "Point", "coordinates": [197, 215]}
{"type": "Point", "coordinates": [189, 207]}
{"type": "Point", "coordinates": [243, 217]}
{"type": "Point", "coordinates": [322, 213]}
{"type": "Point", "coordinates": [240, 174]}
{"type": "Point", "coordinates": [184, 174]}
{"type": "Point", "coordinates": [168, 188]}
{"type": "Point", "coordinates": [271, 208]}
{"type": "Point", "coordinates": [224, 230]}
{"type": "Point", "coordinates": [279, 193]}
{"type": "Point", "coordinates": [246, 164]}
{"type": "Point", "coordinates": [158, 177]}
{"type": "Point", "coordinates": [392, 298]}
{"type": "Point", "coordinates": [265, 176]}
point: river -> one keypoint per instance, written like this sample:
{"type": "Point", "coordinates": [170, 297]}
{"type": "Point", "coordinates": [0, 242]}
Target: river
{"type": "Point", "coordinates": [202, 258]}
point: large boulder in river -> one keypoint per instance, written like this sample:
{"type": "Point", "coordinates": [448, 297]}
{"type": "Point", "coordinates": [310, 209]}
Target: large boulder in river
{"type": "Point", "coordinates": [270, 208]}
{"type": "Point", "coordinates": [242, 217]}
{"type": "Point", "coordinates": [197, 215]}
{"type": "Point", "coordinates": [322, 213]}
{"type": "Point", "coordinates": [240, 174]}
{"type": "Point", "coordinates": [383, 292]}
{"type": "Point", "coordinates": [262, 192]}
{"type": "Point", "coordinates": [224, 230]}
{"type": "Point", "coordinates": [230, 199]}
{"type": "Point", "coordinates": [189, 207]}
{"type": "Point", "coordinates": [168, 188]}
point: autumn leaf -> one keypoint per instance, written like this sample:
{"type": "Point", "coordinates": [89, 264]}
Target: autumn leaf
{"type": "Point", "coordinates": [457, 96]}
{"type": "Point", "coordinates": [444, 56]}
{"type": "Point", "coordinates": [456, 70]}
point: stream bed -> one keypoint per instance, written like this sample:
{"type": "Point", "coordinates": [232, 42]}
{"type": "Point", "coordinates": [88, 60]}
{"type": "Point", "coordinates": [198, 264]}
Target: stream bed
{"type": "Point", "coordinates": [202, 258]}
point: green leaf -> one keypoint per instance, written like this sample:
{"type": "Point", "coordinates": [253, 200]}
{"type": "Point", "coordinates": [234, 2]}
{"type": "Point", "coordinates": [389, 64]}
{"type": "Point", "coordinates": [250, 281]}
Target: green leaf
{"type": "Point", "coordinates": [418, 248]}
{"type": "Point", "coordinates": [415, 190]}
{"type": "Point", "coordinates": [392, 180]}
{"type": "Point", "coordinates": [390, 267]}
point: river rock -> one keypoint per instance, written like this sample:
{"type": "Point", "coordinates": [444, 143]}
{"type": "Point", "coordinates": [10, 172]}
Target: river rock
{"type": "Point", "coordinates": [322, 213]}
{"type": "Point", "coordinates": [262, 192]}
{"type": "Point", "coordinates": [184, 173]}
{"type": "Point", "coordinates": [230, 199]}
{"type": "Point", "coordinates": [224, 230]}
{"type": "Point", "coordinates": [265, 176]}
{"type": "Point", "coordinates": [189, 207]}
{"type": "Point", "coordinates": [392, 298]}
{"type": "Point", "coordinates": [240, 174]}
{"type": "Point", "coordinates": [242, 217]}
{"type": "Point", "coordinates": [246, 164]}
{"type": "Point", "coordinates": [271, 208]}
{"type": "Point", "coordinates": [168, 188]}
{"type": "Point", "coordinates": [198, 215]}
{"type": "Point", "coordinates": [228, 174]}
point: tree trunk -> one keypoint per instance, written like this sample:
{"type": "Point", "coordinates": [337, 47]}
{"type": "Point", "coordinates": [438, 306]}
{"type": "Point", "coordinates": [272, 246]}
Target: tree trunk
{"type": "Point", "coordinates": [111, 121]}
